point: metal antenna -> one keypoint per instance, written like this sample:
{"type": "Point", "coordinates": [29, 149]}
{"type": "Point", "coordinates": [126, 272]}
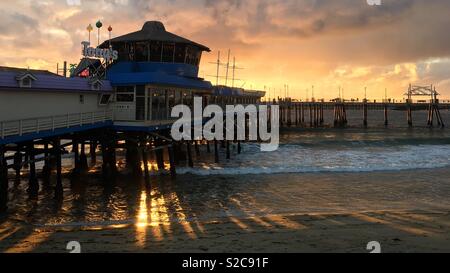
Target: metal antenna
{"type": "Point", "coordinates": [218, 64]}
{"type": "Point", "coordinates": [228, 67]}
{"type": "Point", "coordinates": [218, 69]}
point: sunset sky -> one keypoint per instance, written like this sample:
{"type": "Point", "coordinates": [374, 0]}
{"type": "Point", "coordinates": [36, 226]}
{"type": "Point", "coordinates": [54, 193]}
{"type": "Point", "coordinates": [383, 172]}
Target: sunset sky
{"type": "Point", "coordinates": [325, 43]}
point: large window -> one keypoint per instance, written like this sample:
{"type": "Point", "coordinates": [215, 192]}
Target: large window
{"type": "Point", "coordinates": [168, 53]}
{"type": "Point", "coordinates": [141, 52]}
{"type": "Point", "coordinates": [155, 51]}
{"type": "Point", "coordinates": [180, 53]}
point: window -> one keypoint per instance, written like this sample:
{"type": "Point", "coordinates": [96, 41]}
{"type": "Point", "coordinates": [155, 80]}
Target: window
{"type": "Point", "coordinates": [141, 54]}
{"type": "Point", "coordinates": [104, 99]}
{"type": "Point", "coordinates": [26, 82]}
{"type": "Point", "coordinates": [168, 53]}
{"type": "Point", "coordinates": [180, 53]}
{"type": "Point", "coordinates": [81, 99]}
{"type": "Point", "coordinates": [155, 52]}
{"type": "Point", "coordinates": [122, 97]}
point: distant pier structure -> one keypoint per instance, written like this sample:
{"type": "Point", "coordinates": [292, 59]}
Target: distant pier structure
{"type": "Point", "coordinates": [311, 113]}
{"type": "Point", "coordinates": [118, 98]}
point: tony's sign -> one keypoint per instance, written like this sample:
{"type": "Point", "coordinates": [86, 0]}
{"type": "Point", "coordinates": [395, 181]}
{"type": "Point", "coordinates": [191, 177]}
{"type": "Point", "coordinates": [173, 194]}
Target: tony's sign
{"type": "Point", "coordinates": [107, 54]}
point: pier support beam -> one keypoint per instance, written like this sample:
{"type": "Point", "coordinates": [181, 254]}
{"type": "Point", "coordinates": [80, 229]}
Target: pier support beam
{"type": "Point", "coordinates": [3, 181]}
{"type": "Point", "coordinates": [173, 170]}
{"type": "Point", "coordinates": [409, 114]}
{"type": "Point", "coordinates": [386, 118]}
{"type": "Point", "coordinates": [159, 154]}
{"type": "Point", "coordinates": [46, 169]}
{"type": "Point", "coordinates": [132, 157]}
{"type": "Point", "coordinates": [365, 114]}
{"type": "Point", "coordinates": [216, 151]}
{"type": "Point", "coordinates": [76, 156]}
{"type": "Point", "coordinates": [57, 154]}
{"type": "Point", "coordinates": [93, 151]}
{"type": "Point", "coordinates": [322, 120]}
{"type": "Point", "coordinates": [18, 163]}
{"type": "Point", "coordinates": [145, 161]}
{"type": "Point", "coordinates": [197, 148]}
{"type": "Point", "coordinates": [83, 158]}
{"type": "Point", "coordinates": [33, 184]}
{"type": "Point", "coordinates": [189, 154]}
{"type": "Point", "coordinates": [109, 167]}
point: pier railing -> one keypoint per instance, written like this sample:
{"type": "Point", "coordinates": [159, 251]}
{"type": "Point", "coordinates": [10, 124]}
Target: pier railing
{"type": "Point", "coordinates": [36, 125]}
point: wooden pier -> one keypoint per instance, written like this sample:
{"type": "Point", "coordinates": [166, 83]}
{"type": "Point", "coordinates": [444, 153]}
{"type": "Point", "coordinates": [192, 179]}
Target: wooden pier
{"type": "Point", "coordinates": [311, 114]}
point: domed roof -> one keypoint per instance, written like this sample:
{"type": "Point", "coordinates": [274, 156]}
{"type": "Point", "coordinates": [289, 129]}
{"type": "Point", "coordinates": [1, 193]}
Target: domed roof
{"type": "Point", "coordinates": [153, 31]}
{"type": "Point", "coordinates": [153, 26]}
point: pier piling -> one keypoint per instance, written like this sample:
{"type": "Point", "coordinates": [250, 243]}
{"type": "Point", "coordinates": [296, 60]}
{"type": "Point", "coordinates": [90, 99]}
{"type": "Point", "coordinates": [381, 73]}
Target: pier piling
{"type": "Point", "coordinates": [386, 120]}
{"type": "Point", "coordinates": [189, 154]}
{"type": "Point", "coordinates": [216, 151]}
{"type": "Point", "coordinates": [145, 161]}
{"type": "Point", "coordinates": [3, 181]}
{"type": "Point", "coordinates": [173, 170]}
{"type": "Point", "coordinates": [33, 184]}
{"type": "Point", "coordinates": [57, 154]}
{"type": "Point", "coordinates": [83, 158]}
{"type": "Point", "coordinates": [93, 151]}
{"type": "Point", "coordinates": [18, 163]}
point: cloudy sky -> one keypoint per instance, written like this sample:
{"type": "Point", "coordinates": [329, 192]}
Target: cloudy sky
{"type": "Point", "coordinates": [325, 43]}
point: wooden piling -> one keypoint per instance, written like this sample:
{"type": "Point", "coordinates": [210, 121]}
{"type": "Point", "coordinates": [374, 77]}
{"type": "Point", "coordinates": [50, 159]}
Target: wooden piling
{"type": "Point", "coordinates": [189, 154]}
{"type": "Point", "coordinates": [386, 120]}
{"type": "Point", "coordinates": [208, 147]}
{"type": "Point", "coordinates": [159, 154]}
{"type": "Point", "coordinates": [409, 114]}
{"type": "Point", "coordinates": [76, 155]}
{"type": "Point", "coordinates": [145, 161]}
{"type": "Point", "coordinates": [365, 114]}
{"type": "Point", "coordinates": [197, 148]}
{"type": "Point", "coordinates": [173, 170]}
{"type": "Point", "coordinates": [57, 153]}
{"type": "Point", "coordinates": [33, 184]}
{"type": "Point", "coordinates": [228, 150]}
{"type": "Point", "coordinates": [83, 158]}
{"type": "Point", "coordinates": [302, 114]}
{"type": "Point", "coordinates": [3, 181]}
{"type": "Point", "coordinates": [46, 169]}
{"type": "Point", "coordinates": [322, 120]}
{"type": "Point", "coordinates": [18, 163]}
{"type": "Point", "coordinates": [93, 151]}
{"type": "Point", "coordinates": [216, 151]}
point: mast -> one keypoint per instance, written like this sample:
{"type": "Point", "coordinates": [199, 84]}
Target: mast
{"type": "Point", "coordinates": [228, 67]}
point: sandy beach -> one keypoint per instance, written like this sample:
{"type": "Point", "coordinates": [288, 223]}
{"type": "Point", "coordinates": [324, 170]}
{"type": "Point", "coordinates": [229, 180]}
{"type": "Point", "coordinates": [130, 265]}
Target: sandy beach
{"type": "Point", "coordinates": [397, 231]}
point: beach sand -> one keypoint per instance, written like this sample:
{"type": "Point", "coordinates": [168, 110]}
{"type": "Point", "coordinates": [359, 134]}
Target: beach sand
{"type": "Point", "coordinates": [396, 231]}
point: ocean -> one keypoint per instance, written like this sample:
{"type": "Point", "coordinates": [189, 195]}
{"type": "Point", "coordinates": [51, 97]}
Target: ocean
{"type": "Point", "coordinates": [321, 170]}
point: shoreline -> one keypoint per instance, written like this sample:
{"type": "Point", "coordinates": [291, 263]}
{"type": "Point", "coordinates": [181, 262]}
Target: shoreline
{"type": "Point", "coordinates": [397, 231]}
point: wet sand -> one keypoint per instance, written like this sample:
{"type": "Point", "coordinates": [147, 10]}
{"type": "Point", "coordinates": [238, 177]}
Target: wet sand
{"type": "Point", "coordinates": [397, 231]}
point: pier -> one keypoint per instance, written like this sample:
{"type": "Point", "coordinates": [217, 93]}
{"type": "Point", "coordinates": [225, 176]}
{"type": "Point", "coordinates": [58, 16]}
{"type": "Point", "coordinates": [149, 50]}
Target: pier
{"type": "Point", "coordinates": [311, 114]}
{"type": "Point", "coordinates": [123, 104]}
{"type": "Point", "coordinates": [119, 103]}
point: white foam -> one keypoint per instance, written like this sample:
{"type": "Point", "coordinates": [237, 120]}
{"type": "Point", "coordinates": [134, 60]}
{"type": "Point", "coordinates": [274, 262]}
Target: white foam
{"type": "Point", "coordinates": [297, 159]}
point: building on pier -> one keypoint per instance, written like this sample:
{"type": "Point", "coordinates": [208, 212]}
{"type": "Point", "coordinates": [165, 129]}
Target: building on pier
{"type": "Point", "coordinates": [37, 103]}
{"type": "Point", "coordinates": [130, 82]}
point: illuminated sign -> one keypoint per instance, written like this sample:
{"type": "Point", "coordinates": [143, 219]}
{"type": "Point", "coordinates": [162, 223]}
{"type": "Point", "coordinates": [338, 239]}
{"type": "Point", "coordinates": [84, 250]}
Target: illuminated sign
{"type": "Point", "coordinates": [107, 54]}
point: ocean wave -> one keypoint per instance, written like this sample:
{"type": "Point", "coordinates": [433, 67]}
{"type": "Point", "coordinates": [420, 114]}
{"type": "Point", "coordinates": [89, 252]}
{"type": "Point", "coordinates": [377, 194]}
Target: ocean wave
{"type": "Point", "coordinates": [301, 159]}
